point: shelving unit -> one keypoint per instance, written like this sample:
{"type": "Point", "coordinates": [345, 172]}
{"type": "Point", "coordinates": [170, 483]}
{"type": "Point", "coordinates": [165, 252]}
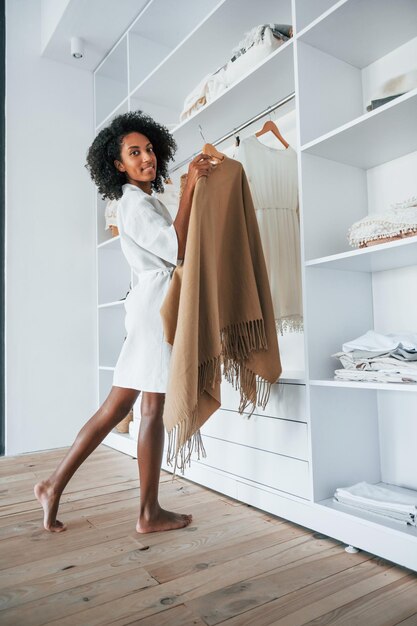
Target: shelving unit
{"type": "Point", "coordinates": [317, 433]}
{"type": "Point", "coordinates": [372, 138]}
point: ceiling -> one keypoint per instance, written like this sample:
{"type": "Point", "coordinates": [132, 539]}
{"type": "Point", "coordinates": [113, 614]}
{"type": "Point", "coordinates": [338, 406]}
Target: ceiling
{"type": "Point", "coordinates": [100, 23]}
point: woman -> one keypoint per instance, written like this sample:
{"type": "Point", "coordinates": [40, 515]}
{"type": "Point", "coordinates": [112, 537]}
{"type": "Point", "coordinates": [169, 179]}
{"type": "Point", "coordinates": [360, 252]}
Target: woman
{"type": "Point", "coordinates": [128, 160]}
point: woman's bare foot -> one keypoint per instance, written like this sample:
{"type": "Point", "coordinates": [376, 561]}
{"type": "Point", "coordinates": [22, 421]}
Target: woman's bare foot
{"type": "Point", "coordinates": [49, 500]}
{"type": "Point", "coordinates": [161, 519]}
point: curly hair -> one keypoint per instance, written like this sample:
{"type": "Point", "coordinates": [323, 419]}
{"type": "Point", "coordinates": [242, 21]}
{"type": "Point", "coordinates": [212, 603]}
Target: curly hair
{"type": "Point", "coordinates": [106, 148]}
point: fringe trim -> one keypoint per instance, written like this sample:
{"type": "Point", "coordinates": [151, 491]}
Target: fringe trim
{"type": "Point", "coordinates": [254, 390]}
{"type": "Point", "coordinates": [237, 342]}
{"type": "Point", "coordinates": [180, 453]}
{"type": "Point", "coordinates": [402, 233]}
{"type": "Point", "coordinates": [290, 324]}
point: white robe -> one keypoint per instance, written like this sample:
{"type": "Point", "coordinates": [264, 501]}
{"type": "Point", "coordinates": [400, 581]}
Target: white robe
{"type": "Point", "coordinates": [149, 243]}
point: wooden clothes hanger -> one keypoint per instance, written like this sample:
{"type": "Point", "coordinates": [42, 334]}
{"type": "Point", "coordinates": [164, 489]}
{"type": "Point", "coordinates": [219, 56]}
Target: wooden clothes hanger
{"type": "Point", "coordinates": [270, 126]}
{"type": "Point", "coordinates": [209, 149]}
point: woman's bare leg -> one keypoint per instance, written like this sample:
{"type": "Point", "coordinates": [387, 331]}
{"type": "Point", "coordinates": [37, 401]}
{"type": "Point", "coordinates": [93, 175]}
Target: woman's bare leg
{"type": "Point", "coordinates": [116, 406]}
{"type": "Point", "coordinates": [150, 449]}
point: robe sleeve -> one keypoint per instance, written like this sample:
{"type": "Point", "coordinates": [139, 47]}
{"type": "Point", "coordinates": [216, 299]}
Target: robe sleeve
{"type": "Point", "coordinates": [148, 228]}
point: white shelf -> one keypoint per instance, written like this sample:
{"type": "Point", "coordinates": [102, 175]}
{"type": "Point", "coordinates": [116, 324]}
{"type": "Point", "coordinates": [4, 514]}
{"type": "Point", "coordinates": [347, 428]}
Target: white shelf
{"type": "Point", "coordinates": [109, 304]}
{"type": "Point", "coordinates": [371, 519]}
{"type": "Point", "coordinates": [271, 80]}
{"type": "Point", "coordinates": [106, 369]}
{"type": "Point", "coordinates": [378, 258]}
{"type": "Point", "coordinates": [356, 32]}
{"type": "Point", "coordinates": [294, 377]}
{"type": "Point", "coordinates": [407, 387]}
{"type": "Point", "coordinates": [112, 243]}
{"type": "Point", "coordinates": [121, 442]}
{"type": "Point", "coordinates": [376, 137]}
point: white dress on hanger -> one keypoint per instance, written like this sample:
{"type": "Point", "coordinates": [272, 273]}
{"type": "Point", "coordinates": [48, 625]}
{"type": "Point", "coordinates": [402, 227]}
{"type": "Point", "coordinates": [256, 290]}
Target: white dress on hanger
{"type": "Point", "coordinates": [149, 243]}
{"type": "Point", "coordinates": [272, 176]}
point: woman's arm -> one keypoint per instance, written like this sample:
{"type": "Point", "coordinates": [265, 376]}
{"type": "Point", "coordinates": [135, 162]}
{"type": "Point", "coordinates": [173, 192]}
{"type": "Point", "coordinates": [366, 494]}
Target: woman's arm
{"type": "Point", "coordinates": [199, 166]}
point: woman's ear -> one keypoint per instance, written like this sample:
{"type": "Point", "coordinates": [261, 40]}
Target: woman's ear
{"type": "Point", "coordinates": [119, 166]}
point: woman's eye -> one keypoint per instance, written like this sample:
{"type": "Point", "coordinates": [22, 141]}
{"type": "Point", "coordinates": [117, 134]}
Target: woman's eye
{"type": "Point", "coordinates": [150, 149]}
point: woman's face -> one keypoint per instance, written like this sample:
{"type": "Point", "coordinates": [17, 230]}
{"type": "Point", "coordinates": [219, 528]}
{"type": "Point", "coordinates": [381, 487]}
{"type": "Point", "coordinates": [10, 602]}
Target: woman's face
{"type": "Point", "coordinates": [138, 160]}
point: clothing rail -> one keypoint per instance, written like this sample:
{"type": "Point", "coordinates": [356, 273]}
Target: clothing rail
{"type": "Point", "coordinates": [252, 120]}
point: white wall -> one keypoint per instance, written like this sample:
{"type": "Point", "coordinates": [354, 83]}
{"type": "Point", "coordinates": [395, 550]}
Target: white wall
{"type": "Point", "coordinates": [50, 242]}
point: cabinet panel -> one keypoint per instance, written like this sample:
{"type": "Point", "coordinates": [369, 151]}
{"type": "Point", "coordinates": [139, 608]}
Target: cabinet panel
{"type": "Point", "coordinates": [112, 332]}
{"type": "Point", "coordinates": [273, 470]}
{"type": "Point", "coordinates": [265, 433]}
{"type": "Point", "coordinates": [344, 437]}
{"type": "Point", "coordinates": [105, 384]}
{"type": "Point", "coordinates": [307, 11]}
{"type": "Point", "coordinates": [286, 401]}
{"type": "Point", "coordinates": [152, 37]}
{"type": "Point", "coordinates": [114, 274]}
{"type": "Point", "coordinates": [110, 82]}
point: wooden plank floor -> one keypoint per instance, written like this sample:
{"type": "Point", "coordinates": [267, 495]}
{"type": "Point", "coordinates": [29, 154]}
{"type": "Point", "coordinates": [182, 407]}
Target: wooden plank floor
{"type": "Point", "coordinates": [234, 565]}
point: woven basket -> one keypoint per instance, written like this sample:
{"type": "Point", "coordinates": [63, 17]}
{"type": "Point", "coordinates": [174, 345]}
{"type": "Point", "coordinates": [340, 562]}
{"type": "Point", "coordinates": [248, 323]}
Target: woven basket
{"type": "Point", "coordinates": [114, 231]}
{"type": "Point", "coordinates": [123, 426]}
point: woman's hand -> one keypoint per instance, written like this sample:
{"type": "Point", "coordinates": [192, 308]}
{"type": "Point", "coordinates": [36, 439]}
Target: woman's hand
{"type": "Point", "coordinates": [200, 166]}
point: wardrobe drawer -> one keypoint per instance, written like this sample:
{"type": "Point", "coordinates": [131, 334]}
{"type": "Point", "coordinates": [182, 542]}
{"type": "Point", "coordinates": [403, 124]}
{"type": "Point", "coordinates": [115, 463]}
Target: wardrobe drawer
{"type": "Point", "coordinates": [286, 401]}
{"type": "Point", "coordinates": [265, 433]}
{"type": "Point", "coordinates": [269, 469]}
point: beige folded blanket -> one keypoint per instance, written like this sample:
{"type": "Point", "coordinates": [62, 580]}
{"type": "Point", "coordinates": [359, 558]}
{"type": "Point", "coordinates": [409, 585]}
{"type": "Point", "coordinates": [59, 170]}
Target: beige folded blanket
{"type": "Point", "coordinates": [218, 312]}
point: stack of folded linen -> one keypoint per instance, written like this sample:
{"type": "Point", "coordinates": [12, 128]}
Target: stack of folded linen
{"type": "Point", "coordinates": [396, 503]}
{"type": "Point", "coordinates": [398, 222]}
{"type": "Point", "coordinates": [378, 357]}
{"type": "Point", "coordinates": [256, 45]}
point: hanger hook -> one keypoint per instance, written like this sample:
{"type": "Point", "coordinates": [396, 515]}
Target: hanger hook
{"type": "Point", "coordinates": [201, 133]}
{"type": "Point", "coordinates": [237, 138]}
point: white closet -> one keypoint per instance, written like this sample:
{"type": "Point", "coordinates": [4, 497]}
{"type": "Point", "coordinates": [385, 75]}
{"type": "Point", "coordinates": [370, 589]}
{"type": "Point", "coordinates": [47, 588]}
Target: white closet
{"type": "Point", "coordinates": [316, 433]}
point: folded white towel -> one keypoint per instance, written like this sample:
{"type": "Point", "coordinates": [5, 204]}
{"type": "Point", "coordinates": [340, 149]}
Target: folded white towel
{"type": "Point", "coordinates": [381, 496]}
{"type": "Point", "coordinates": [403, 518]}
{"type": "Point", "coordinates": [379, 342]}
{"type": "Point", "coordinates": [384, 363]}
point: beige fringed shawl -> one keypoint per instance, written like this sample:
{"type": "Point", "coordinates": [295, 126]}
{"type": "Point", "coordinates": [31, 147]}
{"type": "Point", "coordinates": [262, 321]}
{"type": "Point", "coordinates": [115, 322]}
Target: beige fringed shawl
{"type": "Point", "coordinates": [218, 312]}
